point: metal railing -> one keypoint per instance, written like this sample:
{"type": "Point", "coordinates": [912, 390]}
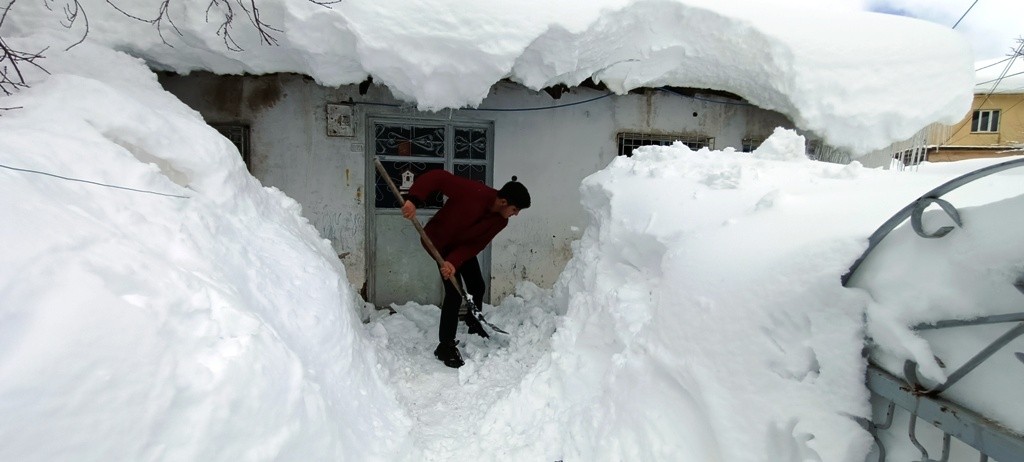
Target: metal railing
{"type": "Point", "coordinates": [924, 402]}
{"type": "Point", "coordinates": [988, 438]}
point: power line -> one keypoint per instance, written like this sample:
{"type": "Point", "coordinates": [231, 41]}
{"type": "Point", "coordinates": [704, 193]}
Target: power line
{"type": "Point", "coordinates": [541, 108]}
{"type": "Point", "coordinates": [727, 103]}
{"type": "Point", "coordinates": [92, 182]}
{"type": "Point", "coordinates": [544, 108]}
{"type": "Point", "coordinates": [965, 14]}
{"type": "Point", "coordinates": [1003, 77]}
{"type": "Point", "coordinates": [524, 109]}
{"type": "Point", "coordinates": [1016, 54]}
{"type": "Point", "coordinates": [993, 64]}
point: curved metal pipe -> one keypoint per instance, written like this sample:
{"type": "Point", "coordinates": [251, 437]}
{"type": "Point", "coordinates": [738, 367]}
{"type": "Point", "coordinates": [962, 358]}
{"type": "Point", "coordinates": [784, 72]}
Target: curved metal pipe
{"type": "Point", "coordinates": [930, 196]}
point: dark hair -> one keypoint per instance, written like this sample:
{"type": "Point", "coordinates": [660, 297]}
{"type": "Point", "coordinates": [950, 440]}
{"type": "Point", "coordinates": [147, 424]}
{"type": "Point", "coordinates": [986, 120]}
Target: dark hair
{"type": "Point", "coordinates": [515, 193]}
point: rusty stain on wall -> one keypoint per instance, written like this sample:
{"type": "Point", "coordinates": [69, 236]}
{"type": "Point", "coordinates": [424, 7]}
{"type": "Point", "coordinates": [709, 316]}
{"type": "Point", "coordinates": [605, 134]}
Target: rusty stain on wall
{"type": "Point", "coordinates": [649, 110]}
{"type": "Point", "coordinates": [359, 195]}
{"type": "Point", "coordinates": [226, 95]}
{"type": "Point", "coordinates": [265, 93]}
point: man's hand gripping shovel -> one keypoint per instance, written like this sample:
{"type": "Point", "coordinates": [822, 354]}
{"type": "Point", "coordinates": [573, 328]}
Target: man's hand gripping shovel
{"type": "Point", "coordinates": [467, 302]}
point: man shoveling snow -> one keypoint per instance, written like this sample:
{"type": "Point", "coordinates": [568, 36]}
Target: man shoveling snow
{"type": "Point", "coordinates": [473, 214]}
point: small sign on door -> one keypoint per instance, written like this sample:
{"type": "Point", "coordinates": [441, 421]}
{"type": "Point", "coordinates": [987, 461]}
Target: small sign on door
{"type": "Point", "coordinates": [407, 177]}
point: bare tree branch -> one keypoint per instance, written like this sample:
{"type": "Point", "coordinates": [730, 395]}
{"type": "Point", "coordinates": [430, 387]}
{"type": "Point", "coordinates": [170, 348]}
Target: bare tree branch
{"type": "Point", "coordinates": [261, 27]}
{"type": "Point", "coordinates": [71, 12]}
{"type": "Point", "coordinates": [224, 30]}
{"type": "Point", "coordinates": [158, 21]}
{"type": "Point", "coordinates": [11, 60]}
{"type": "Point", "coordinates": [227, 11]}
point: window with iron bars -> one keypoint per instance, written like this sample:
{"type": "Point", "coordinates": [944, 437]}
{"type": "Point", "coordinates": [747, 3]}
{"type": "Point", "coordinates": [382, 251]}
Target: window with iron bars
{"type": "Point", "coordinates": [750, 144]}
{"type": "Point", "coordinates": [238, 134]}
{"type": "Point", "coordinates": [630, 141]}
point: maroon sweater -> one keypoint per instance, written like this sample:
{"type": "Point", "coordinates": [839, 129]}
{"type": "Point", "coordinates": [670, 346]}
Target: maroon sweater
{"type": "Point", "coordinates": [465, 224]}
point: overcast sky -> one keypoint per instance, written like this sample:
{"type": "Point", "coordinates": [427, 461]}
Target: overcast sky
{"type": "Point", "coordinates": [991, 25]}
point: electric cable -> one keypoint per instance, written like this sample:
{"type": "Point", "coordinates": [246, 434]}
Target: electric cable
{"type": "Point", "coordinates": [541, 108]}
{"type": "Point", "coordinates": [544, 108]}
{"type": "Point", "coordinates": [1005, 76]}
{"type": "Point", "coordinates": [705, 99]}
{"type": "Point", "coordinates": [993, 64]}
{"type": "Point", "coordinates": [92, 182]}
{"type": "Point", "coordinates": [1016, 54]}
{"type": "Point", "coordinates": [965, 14]}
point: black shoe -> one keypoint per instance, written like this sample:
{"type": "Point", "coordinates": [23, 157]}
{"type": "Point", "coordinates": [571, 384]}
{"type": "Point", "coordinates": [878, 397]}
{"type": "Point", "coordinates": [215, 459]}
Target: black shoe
{"type": "Point", "coordinates": [448, 352]}
{"type": "Point", "coordinates": [474, 325]}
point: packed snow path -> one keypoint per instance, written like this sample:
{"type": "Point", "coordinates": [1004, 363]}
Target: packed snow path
{"type": "Point", "coordinates": [447, 404]}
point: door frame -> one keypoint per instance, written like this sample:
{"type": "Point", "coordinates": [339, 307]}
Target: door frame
{"type": "Point", "coordinates": [371, 211]}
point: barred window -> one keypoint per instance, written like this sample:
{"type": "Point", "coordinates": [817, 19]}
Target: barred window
{"type": "Point", "coordinates": [237, 134]}
{"type": "Point", "coordinates": [408, 149]}
{"type": "Point", "coordinates": [630, 141]}
{"type": "Point", "coordinates": [750, 144]}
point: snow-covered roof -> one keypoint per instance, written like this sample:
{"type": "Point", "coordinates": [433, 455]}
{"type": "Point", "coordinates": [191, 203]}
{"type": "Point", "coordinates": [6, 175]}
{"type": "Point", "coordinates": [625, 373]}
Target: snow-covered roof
{"type": "Point", "coordinates": [860, 80]}
{"type": "Point", "coordinates": [1001, 75]}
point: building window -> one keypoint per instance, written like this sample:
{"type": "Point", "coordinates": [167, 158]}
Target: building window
{"type": "Point", "coordinates": [817, 150]}
{"type": "Point", "coordinates": [985, 121]}
{"type": "Point", "coordinates": [630, 141]}
{"type": "Point", "coordinates": [238, 135]}
{"type": "Point", "coordinates": [750, 144]}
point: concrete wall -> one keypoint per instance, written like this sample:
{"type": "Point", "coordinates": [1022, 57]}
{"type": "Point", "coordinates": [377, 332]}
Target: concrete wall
{"type": "Point", "coordinates": [550, 151]}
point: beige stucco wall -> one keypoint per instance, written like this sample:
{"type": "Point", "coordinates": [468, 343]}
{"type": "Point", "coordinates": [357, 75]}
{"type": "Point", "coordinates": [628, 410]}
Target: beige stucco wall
{"type": "Point", "coordinates": [1011, 122]}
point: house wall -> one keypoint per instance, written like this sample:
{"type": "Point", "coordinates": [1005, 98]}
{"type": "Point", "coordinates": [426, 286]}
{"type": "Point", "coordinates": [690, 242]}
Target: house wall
{"type": "Point", "coordinates": [550, 151]}
{"type": "Point", "coordinates": [1011, 122]}
{"type": "Point", "coordinates": [953, 155]}
{"type": "Point", "coordinates": [949, 143]}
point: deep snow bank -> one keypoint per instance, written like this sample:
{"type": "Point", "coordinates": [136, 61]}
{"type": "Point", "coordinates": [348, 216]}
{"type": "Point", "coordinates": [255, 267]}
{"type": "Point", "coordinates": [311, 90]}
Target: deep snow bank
{"type": "Point", "coordinates": [861, 80]}
{"type": "Point", "coordinates": [134, 326]}
{"type": "Point", "coordinates": [704, 309]}
{"type": "Point", "coordinates": [705, 318]}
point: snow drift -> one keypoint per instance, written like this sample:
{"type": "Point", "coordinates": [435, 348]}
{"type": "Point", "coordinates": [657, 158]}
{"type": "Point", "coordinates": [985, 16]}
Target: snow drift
{"type": "Point", "coordinates": [208, 321]}
{"type": "Point", "coordinates": [860, 80]}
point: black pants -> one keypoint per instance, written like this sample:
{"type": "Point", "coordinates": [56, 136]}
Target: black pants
{"type": "Point", "coordinates": [473, 281]}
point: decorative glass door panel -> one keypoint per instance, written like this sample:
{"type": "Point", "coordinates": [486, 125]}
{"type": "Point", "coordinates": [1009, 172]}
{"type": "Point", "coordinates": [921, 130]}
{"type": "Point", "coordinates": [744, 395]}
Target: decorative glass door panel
{"type": "Point", "coordinates": [403, 173]}
{"type": "Point", "coordinates": [407, 140]}
{"type": "Point", "coordinates": [471, 143]}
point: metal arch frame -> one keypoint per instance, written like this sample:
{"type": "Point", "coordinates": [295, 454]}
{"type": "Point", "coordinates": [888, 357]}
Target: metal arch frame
{"type": "Point", "coordinates": [988, 438]}
{"type": "Point", "coordinates": [910, 367]}
{"type": "Point", "coordinates": [920, 204]}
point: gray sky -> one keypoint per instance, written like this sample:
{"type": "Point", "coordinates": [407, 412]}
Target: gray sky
{"type": "Point", "coordinates": [991, 26]}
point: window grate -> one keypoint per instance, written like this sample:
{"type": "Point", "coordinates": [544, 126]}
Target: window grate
{"type": "Point", "coordinates": [409, 149]}
{"type": "Point", "coordinates": [237, 134]}
{"type": "Point", "coordinates": [630, 141]}
{"type": "Point", "coordinates": [750, 144]}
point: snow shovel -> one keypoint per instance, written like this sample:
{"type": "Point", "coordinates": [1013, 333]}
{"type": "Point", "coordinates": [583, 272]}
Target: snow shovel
{"type": "Point", "coordinates": [471, 307]}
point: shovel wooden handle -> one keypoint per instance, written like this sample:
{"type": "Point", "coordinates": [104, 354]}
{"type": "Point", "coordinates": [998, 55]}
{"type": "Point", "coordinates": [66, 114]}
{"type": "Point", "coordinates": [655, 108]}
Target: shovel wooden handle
{"type": "Point", "coordinates": [416, 222]}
